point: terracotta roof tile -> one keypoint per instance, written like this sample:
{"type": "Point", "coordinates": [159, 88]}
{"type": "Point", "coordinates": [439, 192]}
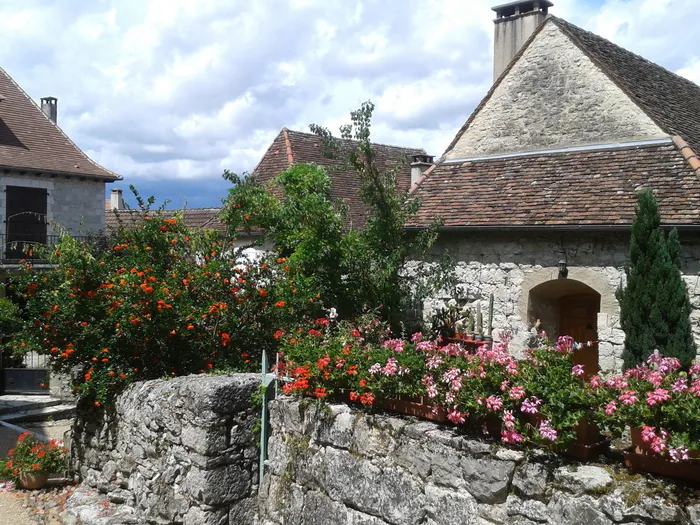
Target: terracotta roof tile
{"type": "Point", "coordinates": [199, 218]}
{"type": "Point", "coordinates": [295, 147]}
{"type": "Point", "coordinates": [30, 141]}
{"type": "Point", "coordinates": [591, 188]}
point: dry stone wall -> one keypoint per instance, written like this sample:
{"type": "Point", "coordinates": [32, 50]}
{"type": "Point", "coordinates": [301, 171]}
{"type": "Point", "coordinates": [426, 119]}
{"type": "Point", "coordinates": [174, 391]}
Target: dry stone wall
{"type": "Point", "coordinates": [510, 265]}
{"type": "Point", "coordinates": [173, 451]}
{"type": "Point", "coordinates": [333, 465]}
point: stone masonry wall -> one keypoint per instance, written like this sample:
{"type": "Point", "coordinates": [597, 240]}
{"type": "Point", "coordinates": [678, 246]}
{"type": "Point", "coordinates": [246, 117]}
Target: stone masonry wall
{"type": "Point", "coordinates": [178, 451]}
{"type": "Point", "coordinates": [339, 466]}
{"type": "Point", "coordinates": [553, 97]}
{"type": "Point", "coordinates": [511, 265]}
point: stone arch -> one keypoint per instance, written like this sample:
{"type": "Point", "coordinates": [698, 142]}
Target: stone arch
{"type": "Point", "coordinates": [580, 305]}
{"type": "Point", "coordinates": [594, 279]}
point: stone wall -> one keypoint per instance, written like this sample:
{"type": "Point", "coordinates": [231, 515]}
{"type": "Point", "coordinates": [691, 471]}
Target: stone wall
{"type": "Point", "coordinates": [74, 204]}
{"type": "Point", "coordinates": [177, 451]}
{"type": "Point", "coordinates": [553, 97]}
{"type": "Point", "coordinates": [510, 265]}
{"type": "Point", "coordinates": [337, 466]}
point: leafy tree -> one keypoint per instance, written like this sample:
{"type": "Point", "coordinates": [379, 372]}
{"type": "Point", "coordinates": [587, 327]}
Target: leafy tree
{"type": "Point", "coordinates": [354, 270]}
{"type": "Point", "coordinates": [654, 305]}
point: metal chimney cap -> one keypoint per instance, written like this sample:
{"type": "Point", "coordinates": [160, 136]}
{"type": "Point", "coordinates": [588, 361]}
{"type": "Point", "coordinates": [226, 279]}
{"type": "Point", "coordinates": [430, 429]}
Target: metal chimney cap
{"type": "Point", "coordinates": [543, 5]}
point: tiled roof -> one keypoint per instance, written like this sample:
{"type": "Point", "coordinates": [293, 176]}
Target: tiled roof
{"type": "Point", "coordinates": [670, 100]}
{"type": "Point", "coordinates": [199, 218]}
{"type": "Point", "coordinates": [30, 141]}
{"type": "Point", "coordinates": [295, 147]}
{"type": "Point", "coordinates": [589, 188]}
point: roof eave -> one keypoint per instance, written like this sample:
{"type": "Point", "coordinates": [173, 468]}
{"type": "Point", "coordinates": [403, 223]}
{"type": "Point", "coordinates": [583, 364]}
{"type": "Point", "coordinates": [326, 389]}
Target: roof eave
{"type": "Point", "coordinates": [549, 227]}
{"type": "Point", "coordinates": [102, 178]}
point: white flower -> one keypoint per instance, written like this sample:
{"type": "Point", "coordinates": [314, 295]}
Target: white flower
{"type": "Point", "coordinates": [332, 314]}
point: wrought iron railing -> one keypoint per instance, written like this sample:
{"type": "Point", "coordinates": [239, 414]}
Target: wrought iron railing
{"type": "Point", "coordinates": [30, 247]}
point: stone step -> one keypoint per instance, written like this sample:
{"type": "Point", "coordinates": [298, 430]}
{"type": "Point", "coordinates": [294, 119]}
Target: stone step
{"type": "Point", "coordinates": [61, 411]}
{"type": "Point", "coordinates": [10, 404]}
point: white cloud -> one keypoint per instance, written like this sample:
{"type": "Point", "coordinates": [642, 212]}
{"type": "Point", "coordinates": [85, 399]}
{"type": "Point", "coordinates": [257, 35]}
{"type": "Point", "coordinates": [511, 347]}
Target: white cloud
{"type": "Point", "coordinates": [180, 90]}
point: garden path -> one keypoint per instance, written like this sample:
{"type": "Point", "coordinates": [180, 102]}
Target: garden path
{"type": "Point", "coordinates": [11, 509]}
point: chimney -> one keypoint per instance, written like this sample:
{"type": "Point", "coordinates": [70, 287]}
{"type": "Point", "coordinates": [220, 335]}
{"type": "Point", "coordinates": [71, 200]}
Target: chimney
{"type": "Point", "coordinates": [515, 23]}
{"type": "Point", "coordinates": [49, 105]}
{"type": "Point", "coordinates": [419, 165]}
{"type": "Point", "coordinates": [116, 200]}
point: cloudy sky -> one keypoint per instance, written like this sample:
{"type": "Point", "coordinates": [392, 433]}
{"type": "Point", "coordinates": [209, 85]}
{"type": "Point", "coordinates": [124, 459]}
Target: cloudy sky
{"type": "Point", "coordinates": [169, 93]}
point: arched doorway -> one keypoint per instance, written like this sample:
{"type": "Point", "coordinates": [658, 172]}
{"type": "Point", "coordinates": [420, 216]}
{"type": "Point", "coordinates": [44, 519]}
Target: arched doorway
{"type": "Point", "coordinates": [568, 307]}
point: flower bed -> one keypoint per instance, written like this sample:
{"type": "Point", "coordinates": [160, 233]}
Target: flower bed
{"type": "Point", "coordinates": [544, 399]}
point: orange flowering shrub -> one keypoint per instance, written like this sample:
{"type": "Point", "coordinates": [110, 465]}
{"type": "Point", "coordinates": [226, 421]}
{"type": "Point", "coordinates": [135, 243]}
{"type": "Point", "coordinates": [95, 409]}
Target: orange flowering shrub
{"type": "Point", "coordinates": [159, 300]}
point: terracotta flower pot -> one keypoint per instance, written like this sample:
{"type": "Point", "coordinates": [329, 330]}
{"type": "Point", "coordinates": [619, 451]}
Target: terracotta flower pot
{"type": "Point", "coordinates": [33, 480]}
{"type": "Point", "coordinates": [640, 456]}
{"type": "Point", "coordinates": [589, 442]}
{"type": "Point", "coordinates": [416, 407]}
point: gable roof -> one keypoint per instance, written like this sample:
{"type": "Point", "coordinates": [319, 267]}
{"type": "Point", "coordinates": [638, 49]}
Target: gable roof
{"type": "Point", "coordinates": [582, 187]}
{"type": "Point", "coordinates": [295, 147]}
{"type": "Point", "coordinates": [669, 100]}
{"type": "Point", "coordinates": [31, 141]}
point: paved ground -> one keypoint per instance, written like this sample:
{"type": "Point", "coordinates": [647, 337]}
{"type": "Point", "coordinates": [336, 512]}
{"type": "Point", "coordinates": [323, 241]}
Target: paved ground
{"type": "Point", "coordinates": [11, 510]}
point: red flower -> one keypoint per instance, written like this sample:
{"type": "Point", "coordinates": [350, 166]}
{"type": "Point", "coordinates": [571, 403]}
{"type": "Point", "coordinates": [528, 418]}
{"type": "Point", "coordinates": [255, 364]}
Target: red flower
{"type": "Point", "coordinates": [354, 396]}
{"type": "Point", "coordinates": [278, 334]}
{"type": "Point", "coordinates": [320, 393]}
{"type": "Point", "coordinates": [315, 333]}
{"type": "Point", "coordinates": [367, 398]}
{"type": "Point", "coordinates": [280, 304]}
{"type": "Point", "coordinates": [352, 370]}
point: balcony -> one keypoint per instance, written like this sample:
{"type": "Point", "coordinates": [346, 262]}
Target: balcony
{"type": "Point", "coordinates": [18, 247]}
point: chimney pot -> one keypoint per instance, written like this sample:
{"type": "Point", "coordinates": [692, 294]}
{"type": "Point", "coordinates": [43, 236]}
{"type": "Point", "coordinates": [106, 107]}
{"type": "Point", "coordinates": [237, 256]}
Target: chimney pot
{"type": "Point", "coordinates": [515, 23]}
{"type": "Point", "coordinates": [419, 165]}
{"type": "Point", "coordinates": [116, 200]}
{"type": "Point", "coordinates": [49, 105]}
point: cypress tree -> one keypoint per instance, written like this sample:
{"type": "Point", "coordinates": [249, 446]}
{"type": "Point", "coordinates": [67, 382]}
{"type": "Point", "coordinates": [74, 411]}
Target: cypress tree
{"type": "Point", "coordinates": [654, 305]}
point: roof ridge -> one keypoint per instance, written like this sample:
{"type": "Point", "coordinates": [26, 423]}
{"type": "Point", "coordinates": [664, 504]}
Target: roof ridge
{"type": "Point", "coordinates": [288, 145]}
{"type": "Point", "coordinates": [688, 154]}
{"type": "Point", "coordinates": [405, 148]}
{"type": "Point", "coordinates": [65, 136]}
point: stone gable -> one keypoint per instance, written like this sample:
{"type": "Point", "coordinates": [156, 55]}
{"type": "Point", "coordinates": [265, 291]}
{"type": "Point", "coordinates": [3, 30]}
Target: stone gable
{"type": "Point", "coordinates": [554, 96]}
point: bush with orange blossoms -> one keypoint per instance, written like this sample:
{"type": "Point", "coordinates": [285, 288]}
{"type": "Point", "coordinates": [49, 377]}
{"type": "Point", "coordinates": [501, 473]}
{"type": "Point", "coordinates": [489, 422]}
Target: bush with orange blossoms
{"type": "Point", "coordinates": [32, 456]}
{"type": "Point", "coordinates": [159, 300]}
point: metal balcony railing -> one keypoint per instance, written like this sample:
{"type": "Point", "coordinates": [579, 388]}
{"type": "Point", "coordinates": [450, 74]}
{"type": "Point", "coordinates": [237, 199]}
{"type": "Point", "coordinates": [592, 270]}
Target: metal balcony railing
{"type": "Point", "coordinates": [30, 247]}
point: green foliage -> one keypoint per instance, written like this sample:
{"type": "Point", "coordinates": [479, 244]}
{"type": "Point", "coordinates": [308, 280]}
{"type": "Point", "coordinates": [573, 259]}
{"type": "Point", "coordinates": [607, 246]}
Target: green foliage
{"type": "Point", "coordinates": [353, 270]}
{"type": "Point", "coordinates": [654, 305]}
{"type": "Point", "coordinates": [9, 317]}
{"type": "Point", "coordinates": [163, 300]}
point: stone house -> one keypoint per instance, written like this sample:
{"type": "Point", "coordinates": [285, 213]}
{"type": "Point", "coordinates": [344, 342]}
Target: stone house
{"type": "Point", "coordinates": [538, 188]}
{"type": "Point", "coordinates": [46, 181]}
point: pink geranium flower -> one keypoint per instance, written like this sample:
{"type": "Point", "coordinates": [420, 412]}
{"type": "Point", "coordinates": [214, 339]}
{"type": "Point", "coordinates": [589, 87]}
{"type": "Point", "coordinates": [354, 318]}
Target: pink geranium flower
{"type": "Point", "coordinates": [494, 404]}
{"type": "Point", "coordinates": [657, 396]}
{"type": "Point", "coordinates": [628, 397]}
{"type": "Point", "coordinates": [531, 405]}
{"type": "Point", "coordinates": [546, 430]}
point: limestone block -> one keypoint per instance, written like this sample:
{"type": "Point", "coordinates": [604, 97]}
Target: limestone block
{"type": "Point", "coordinates": [488, 480]}
{"type": "Point", "coordinates": [530, 481]}
{"type": "Point", "coordinates": [584, 478]}
{"type": "Point", "coordinates": [446, 507]}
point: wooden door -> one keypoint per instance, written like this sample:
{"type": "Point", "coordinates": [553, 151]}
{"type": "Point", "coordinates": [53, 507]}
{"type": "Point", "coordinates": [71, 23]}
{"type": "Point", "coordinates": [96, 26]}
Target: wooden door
{"type": "Point", "coordinates": [578, 317]}
{"type": "Point", "coordinates": [25, 220]}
